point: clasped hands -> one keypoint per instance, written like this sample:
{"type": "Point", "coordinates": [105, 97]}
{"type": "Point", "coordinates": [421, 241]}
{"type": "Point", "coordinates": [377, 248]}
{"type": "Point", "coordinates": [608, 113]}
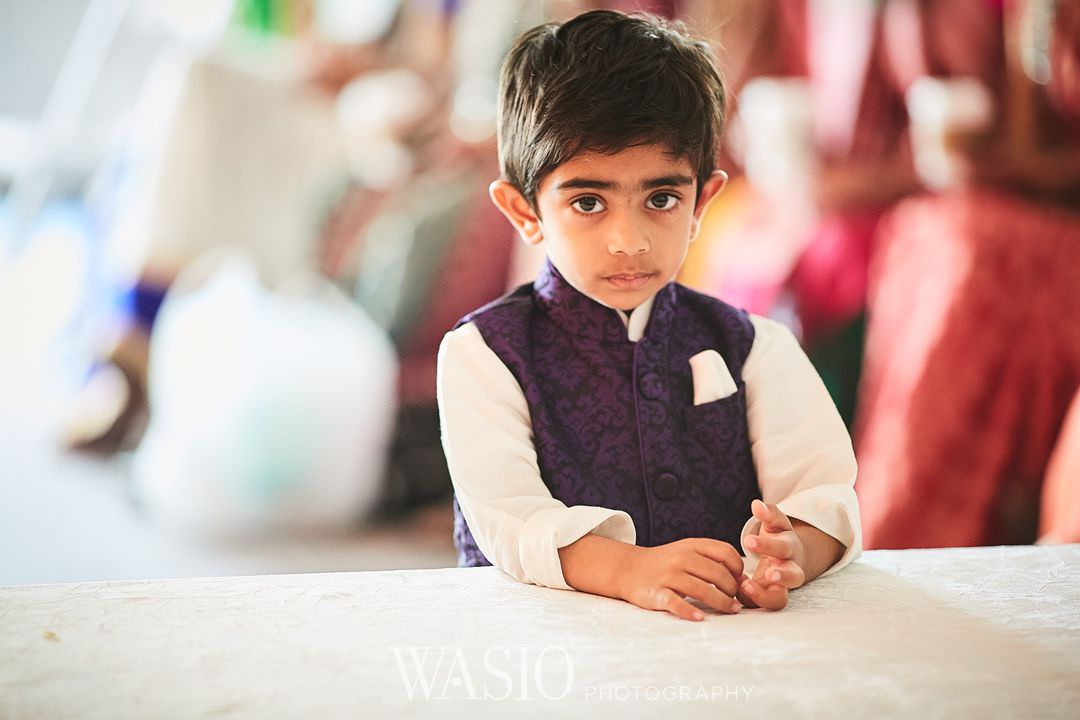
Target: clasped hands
{"type": "Point", "coordinates": [711, 571]}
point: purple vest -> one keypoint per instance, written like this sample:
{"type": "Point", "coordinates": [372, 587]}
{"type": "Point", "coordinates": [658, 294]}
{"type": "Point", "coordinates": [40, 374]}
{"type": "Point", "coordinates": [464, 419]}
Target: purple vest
{"type": "Point", "coordinates": [614, 422]}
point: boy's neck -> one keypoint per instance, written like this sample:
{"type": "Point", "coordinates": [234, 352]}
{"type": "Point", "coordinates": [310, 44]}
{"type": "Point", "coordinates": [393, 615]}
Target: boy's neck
{"type": "Point", "coordinates": [636, 319]}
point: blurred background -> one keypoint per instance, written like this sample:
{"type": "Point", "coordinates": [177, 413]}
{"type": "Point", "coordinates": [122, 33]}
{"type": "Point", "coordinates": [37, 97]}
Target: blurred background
{"type": "Point", "coordinates": [233, 233]}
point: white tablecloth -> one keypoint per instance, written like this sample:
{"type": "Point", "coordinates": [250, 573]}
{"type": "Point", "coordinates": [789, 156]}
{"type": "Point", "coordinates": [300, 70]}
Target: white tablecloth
{"type": "Point", "coordinates": [937, 633]}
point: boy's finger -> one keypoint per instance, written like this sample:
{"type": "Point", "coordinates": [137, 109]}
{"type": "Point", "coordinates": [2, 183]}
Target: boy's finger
{"type": "Point", "coordinates": [780, 546]}
{"type": "Point", "coordinates": [721, 552]}
{"type": "Point", "coordinates": [707, 593]}
{"type": "Point", "coordinates": [671, 602]}
{"type": "Point", "coordinates": [770, 597]}
{"type": "Point", "coordinates": [715, 573]}
{"type": "Point", "coordinates": [784, 573]}
{"type": "Point", "coordinates": [771, 517]}
{"type": "Point", "coordinates": [745, 594]}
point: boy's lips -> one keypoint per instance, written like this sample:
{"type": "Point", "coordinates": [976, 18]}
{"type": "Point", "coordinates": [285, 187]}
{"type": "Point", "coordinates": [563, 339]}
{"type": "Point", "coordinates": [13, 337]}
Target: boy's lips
{"type": "Point", "coordinates": [630, 280]}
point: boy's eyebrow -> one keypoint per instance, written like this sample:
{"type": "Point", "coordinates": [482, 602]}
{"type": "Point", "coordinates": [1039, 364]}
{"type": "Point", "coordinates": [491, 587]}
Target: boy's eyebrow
{"type": "Point", "coordinates": [667, 181]}
{"type": "Point", "coordinates": [579, 183]}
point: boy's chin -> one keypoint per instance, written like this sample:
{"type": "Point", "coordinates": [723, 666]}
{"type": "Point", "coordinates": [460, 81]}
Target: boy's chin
{"type": "Point", "coordinates": [625, 301]}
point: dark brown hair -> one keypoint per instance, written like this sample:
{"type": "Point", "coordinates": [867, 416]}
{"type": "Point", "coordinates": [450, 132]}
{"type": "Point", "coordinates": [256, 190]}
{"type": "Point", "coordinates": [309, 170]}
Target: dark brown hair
{"type": "Point", "coordinates": [605, 81]}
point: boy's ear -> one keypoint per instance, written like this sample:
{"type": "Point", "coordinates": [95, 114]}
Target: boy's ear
{"type": "Point", "coordinates": [709, 189]}
{"type": "Point", "coordinates": [517, 210]}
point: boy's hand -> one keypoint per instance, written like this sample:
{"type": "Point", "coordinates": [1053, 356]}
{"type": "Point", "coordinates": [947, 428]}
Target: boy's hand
{"type": "Point", "coordinates": [658, 578]}
{"type": "Point", "coordinates": [782, 559]}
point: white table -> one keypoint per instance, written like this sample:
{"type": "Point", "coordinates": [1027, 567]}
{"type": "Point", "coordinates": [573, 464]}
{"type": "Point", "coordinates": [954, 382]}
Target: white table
{"type": "Point", "coordinates": [937, 633]}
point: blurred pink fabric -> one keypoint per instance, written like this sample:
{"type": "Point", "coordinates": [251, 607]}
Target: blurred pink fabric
{"type": "Point", "coordinates": [972, 360]}
{"type": "Point", "coordinates": [973, 351]}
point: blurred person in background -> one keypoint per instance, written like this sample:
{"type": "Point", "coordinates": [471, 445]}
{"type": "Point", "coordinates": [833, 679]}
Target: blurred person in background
{"type": "Point", "coordinates": [848, 109]}
{"type": "Point", "coordinates": [973, 359]}
{"type": "Point", "coordinates": [210, 208]}
{"type": "Point", "coordinates": [412, 86]}
{"type": "Point", "coordinates": [228, 147]}
{"type": "Point", "coordinates": [272, 397]}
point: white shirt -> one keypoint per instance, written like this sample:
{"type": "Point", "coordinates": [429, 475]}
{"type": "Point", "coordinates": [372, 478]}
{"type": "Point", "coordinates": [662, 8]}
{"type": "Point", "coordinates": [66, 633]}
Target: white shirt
{"type": "Point", "coordinates": [802, 452]}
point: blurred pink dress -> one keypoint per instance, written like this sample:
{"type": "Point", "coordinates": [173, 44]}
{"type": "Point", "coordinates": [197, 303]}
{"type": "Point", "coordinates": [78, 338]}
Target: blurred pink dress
{"type": "Point", "coordinates": [972, 359]}
{"type": "Point", "coordinates": [972, 355]}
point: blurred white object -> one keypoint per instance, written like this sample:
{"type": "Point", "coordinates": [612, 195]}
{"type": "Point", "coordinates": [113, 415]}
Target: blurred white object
{"type": "Point", "coordinates": [483, 31]}
{"type": "Point", "coordinates": [944, 111]}
{"type": "Point", "coordinates": [201, 22]}
{"type": "Point", "coordinates": [352, 22]}
{"type": "Point", "coordinates": [374, 111]}
{"type": "Point", "coordinates": [269, 411]}
{"type": "Point", "coordinates": [776, 117]}
{"type": "Point", "coordinates": [475, 109]}
{"type": "Point", "coordinates": [42, 290]}
{"type": "Point", "coordinates": [227, 152]}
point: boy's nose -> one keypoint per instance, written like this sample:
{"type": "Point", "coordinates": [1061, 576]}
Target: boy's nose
{"type": "Point", "coordinates": [626, 238]}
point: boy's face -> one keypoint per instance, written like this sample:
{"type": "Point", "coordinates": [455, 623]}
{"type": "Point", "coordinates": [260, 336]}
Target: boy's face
{"type": "Point", "coordinates": [616, 226]}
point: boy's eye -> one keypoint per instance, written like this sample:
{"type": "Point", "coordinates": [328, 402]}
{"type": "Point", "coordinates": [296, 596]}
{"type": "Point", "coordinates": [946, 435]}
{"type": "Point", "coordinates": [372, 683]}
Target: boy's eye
{"type": "Point", "coordinates": [663, 201]}
{"type": "Point", "coordinates": [587, 205]}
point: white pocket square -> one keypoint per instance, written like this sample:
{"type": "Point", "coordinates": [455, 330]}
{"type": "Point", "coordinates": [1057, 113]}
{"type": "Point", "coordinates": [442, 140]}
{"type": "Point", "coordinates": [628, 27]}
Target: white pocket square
{"type": "Point", "coordinates": [712, 380]}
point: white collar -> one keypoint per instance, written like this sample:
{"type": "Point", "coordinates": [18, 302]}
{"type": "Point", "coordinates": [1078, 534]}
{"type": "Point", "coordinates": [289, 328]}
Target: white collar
{"type": "Point", "coordinates": [638, 320]}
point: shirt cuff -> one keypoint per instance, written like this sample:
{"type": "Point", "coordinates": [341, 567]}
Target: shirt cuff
{"type": "Point", "coordinates": [550, 529]}
{"type": "Point", "coordinates": [832, 509]}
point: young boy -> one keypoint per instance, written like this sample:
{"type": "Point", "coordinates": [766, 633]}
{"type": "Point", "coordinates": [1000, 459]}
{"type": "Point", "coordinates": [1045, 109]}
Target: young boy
{"type": "Point", "coordinates": [606, 429]}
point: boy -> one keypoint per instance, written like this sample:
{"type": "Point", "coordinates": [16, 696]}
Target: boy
{"type": "Point", "coordinates": [606, 429]}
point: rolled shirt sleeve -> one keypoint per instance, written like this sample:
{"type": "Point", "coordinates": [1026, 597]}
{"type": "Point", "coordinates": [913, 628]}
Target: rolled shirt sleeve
{"type": "Point", "coordinates": [487, 438]}
{"type": "Point", "coordinates": [802, 451]}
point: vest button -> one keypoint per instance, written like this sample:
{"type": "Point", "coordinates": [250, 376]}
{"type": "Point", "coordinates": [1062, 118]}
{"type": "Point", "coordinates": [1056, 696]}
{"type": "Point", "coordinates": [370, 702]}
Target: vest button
{"type": "Point", "coordinates": [650, 386]}
{"type": "Point", "coordinates": [666, 486]}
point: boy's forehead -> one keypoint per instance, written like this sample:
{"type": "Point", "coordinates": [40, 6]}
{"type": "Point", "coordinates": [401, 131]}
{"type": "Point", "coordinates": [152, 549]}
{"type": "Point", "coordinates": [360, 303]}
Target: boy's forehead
{"type": "Point", "coordinates": [630, 166]}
